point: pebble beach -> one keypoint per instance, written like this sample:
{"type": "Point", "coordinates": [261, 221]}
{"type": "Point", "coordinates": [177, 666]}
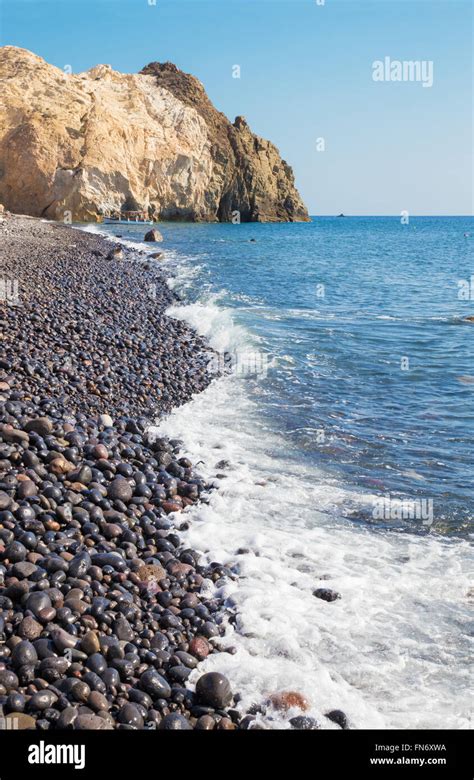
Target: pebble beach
{"type": "Point", "coordinates": [104, 612]}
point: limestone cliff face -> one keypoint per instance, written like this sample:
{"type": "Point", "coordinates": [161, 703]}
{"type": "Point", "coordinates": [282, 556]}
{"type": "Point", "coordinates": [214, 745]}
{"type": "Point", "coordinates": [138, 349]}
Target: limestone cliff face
{"type": "Point", "coordinates": [93, 142]}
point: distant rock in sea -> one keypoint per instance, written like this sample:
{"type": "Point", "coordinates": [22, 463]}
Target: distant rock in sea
{"type": "Point", "coordinates": [81, 145]}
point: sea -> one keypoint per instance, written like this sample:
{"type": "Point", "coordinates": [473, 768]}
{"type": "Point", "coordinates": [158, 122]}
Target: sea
{"type": "Point", "coordinates": [339, 438]}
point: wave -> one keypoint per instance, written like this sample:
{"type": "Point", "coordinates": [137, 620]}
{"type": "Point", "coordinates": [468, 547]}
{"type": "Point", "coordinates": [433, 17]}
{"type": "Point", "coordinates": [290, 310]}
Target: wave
{"type": "Point", "coordinates": [403, 612]}
{"type": "Point", "coordinates": [392, 652]}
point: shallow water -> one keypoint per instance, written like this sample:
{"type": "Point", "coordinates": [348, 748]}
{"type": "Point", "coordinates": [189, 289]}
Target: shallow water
{"type": "Point", "coordinates": [365, 396]}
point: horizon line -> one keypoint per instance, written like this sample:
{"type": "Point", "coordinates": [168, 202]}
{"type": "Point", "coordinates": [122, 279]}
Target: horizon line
{"type": "Point", "coordinates": [395, 216]}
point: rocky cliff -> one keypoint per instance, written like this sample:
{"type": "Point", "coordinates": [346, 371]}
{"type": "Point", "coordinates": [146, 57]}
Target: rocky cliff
{"type": "Point", "coordinates": [98, 141]}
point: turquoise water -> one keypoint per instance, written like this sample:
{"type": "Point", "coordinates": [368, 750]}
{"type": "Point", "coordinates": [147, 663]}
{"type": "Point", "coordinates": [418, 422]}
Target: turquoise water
{"type": "Point", "coordinates": [371, 360]}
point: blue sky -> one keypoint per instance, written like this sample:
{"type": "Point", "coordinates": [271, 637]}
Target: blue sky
{"type": "Point", "coordinates": [306, 73]}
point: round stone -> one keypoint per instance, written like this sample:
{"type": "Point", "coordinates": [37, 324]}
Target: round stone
{"type": "Point", "coordinates": [5, 500]}
{"type": "Point", "coordinates": [303, 723]}
{"type": "Point", "coordinates": [339, 717]}
{"type": "Point", "coordinates": [90, 643]}
{"type": "Point", "coordinates": [41, 700]}
{"type": "Point", "coordinates": [26, 488]}
{"type": "Point", "coordinates": [285, 700]}
{"type": "Point", "coordinates": [213, 689]}
{"type": "Point", "coordinates": [100, 452]}
{"type": "Point", "coordinates": [91, 723]}
{"type": "Point", "coordinates": [130, 715]}
{"type": "Point", "coordinates": [29, 628]}
{"type": "Point", "coordinates": [67, 718]}
{"type": "Point", "coordinates": [120, 490]}
{"type": "Point", "coordinates": [24, 653]}
{"type": "Point", "coordinates": [205, 723]}
{"type": "Point", "coordinates": [41, 425]}
{"type": "Point", "coordinates": [96, 663]}
{"type": "Point", "coordinates": [8, 680]}
{"type": "Point", "coordinates": [37, 601]}
{"type": "Point", "coordinates": [155, 685]}
{"type": "Point", "coordinates": [63, 640]}
{"type": "Point", "coordinates": [98, 702]}
{"type": "Point", "coordinates": [326, 594]}
{"type": "Point", "coordinates": [199, 647]}
{"type": "Point", "coordinates": [175, 722]}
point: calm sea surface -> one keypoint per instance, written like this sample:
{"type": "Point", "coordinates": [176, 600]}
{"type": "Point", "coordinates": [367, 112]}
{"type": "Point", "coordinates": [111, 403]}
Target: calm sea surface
{"type": "Point", "coordinates": [360, 324]}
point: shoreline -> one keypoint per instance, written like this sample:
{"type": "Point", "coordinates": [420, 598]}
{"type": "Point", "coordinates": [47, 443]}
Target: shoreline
{"type": "Point", "coordinates": [106, 612]}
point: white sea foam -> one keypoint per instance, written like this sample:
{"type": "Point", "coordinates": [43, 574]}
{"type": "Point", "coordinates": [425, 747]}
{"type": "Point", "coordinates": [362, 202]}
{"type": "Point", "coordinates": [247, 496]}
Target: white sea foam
{"type": "Point", "coordinates": [99, 230]}
{"type": "Point", "coordinates": [394, 651]}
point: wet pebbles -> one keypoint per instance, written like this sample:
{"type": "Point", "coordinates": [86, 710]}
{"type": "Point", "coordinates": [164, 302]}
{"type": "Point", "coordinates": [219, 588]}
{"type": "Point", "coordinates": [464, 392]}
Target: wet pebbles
{"type": "Point", "coordinates": [104, 612]}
